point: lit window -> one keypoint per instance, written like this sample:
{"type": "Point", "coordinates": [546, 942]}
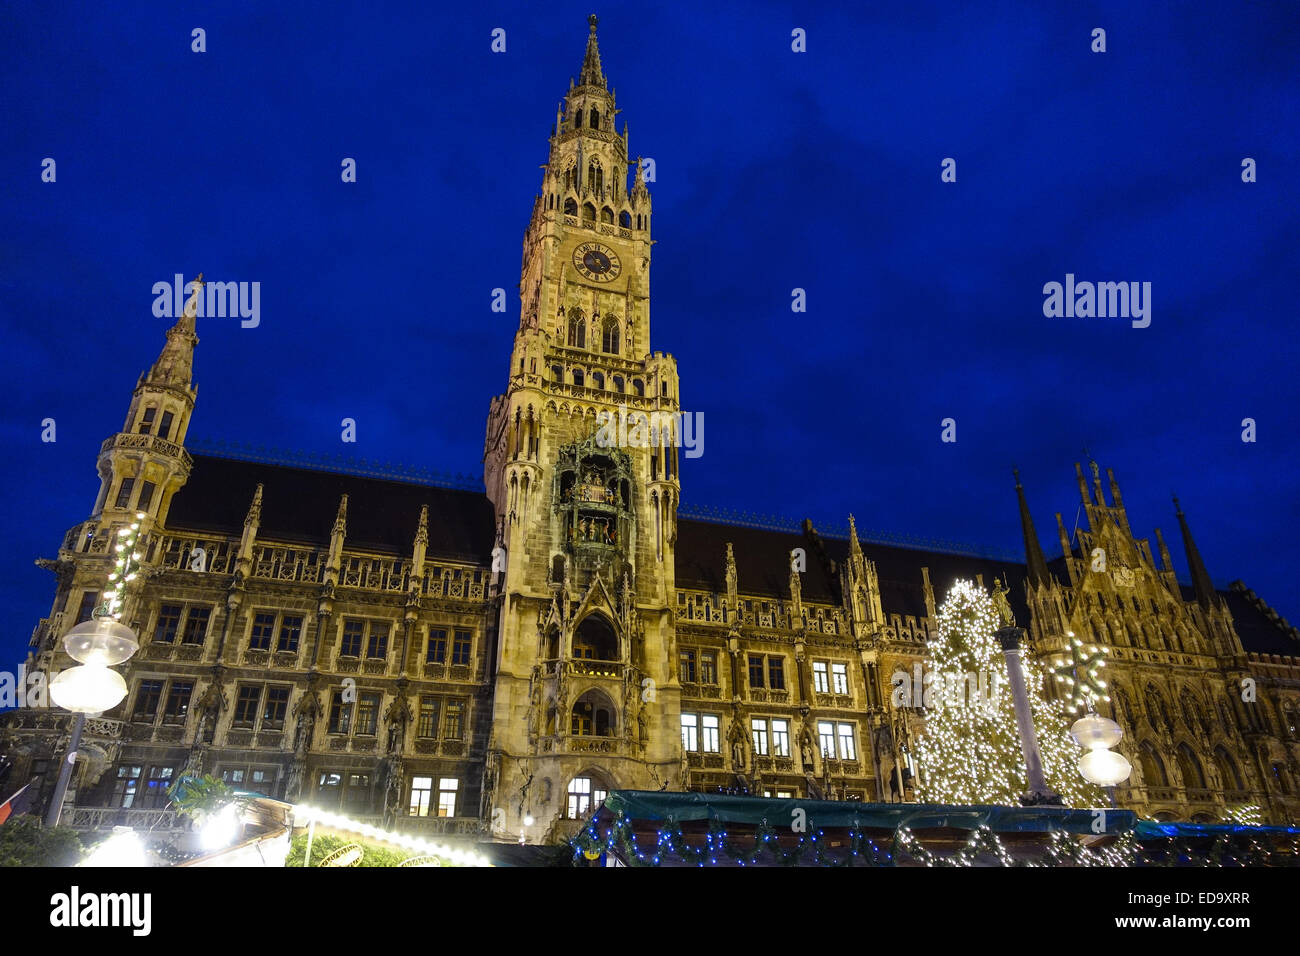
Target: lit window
{"type": "Point", "coordinates": [840, 678]}
{"type": "Point", "coordinates": [421, 796]}
{"type": "Point", "coordinates": [447, 787]}
{"type": "Point", "coordinates": [124, 787]}
{"type": "Point", "coordinates": [428, 724]}
{"type": "Point", "coordinates": [367, 714]}
{"type": "Point", "coordinates": [759, 728]}
{"type": "Point", "coordinates": [780, 738]}
{"type": "Point", "coordinates": [826, 738]}
{"type": "Point", "coordinates": [579, 798]}
{"type": "Point", "coordinates": [453, 726]}
{"type": "Point", "coordinates": [820, 683]}
{"type": "Point", "coordinates": [690, 732]}
{"type": "Point", "coordinates": [709, 733]}
{"type": "Point", "coordinates": [847, 749]}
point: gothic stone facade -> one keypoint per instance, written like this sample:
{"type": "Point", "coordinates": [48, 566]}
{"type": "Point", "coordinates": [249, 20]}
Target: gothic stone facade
{"type": "Point", "coordinates": [455, 661]}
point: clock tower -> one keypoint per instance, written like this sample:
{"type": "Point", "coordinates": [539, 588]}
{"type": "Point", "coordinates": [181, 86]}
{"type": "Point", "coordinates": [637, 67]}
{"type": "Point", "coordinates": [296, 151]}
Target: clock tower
{"type": "Point", "coordinates": [586, 691]}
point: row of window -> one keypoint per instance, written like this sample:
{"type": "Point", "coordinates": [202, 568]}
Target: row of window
{"type": "Point", "coordinates": [142, 502]}
{"type": "Point", "coordinates": [770, 736]}
{"type": "Point", "coordinates": [282, 632]}
{"type": "Point", "coordinates": [765, 671]}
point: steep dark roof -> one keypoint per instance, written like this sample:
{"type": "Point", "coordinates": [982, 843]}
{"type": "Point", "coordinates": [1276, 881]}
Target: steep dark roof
{"type": "Point", "coordinates": [1257, 631]}
{"type": "Point", "coordinates": [763, 566]}
{"type": "Point", "coordinates": [299, 504]}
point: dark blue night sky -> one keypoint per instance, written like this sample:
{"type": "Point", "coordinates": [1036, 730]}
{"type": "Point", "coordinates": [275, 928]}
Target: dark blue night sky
{"type": "Point", "coordinates": [775, 170]}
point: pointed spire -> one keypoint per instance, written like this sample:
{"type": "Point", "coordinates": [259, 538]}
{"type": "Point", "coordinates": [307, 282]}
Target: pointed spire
{"type": "Point", "coordinates": [341, 518]}
{"type": "Point", "coordinates": [591, 74]}
{"type": "Point", "coordinates": [175, 364]}
{"type": "Point", "coordinates": [422, 529]}
{"type": "Point", "coordinates": [1065, 549]}
{"type": "Point", "coordinates": [1083, 485]}
{"type": "Point", "coordinates": [1164, 552]}
{"type": "Point", "coordinates": [254, 515]}
{"type": "Point", "coordinates": [1200, 577]}
{"type": "Point", "coordinates": [855, 549]}
{"type": "Point", "coordinates": [1034, 558]}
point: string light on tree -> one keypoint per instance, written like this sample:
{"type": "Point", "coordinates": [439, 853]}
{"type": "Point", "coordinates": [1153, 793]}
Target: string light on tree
{"type": "Point", "coordinates": [1080, 676]}
{"type": "Point", "coordinates": [970, 751]}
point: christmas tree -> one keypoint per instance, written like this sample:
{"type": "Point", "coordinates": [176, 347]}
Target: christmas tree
{"type": "Point", "coordinates": [970, 750]}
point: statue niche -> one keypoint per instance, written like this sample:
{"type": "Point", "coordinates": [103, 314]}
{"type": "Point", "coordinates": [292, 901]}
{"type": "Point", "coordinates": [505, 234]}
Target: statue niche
{"type": "Point", "coordinates": [593, 502]}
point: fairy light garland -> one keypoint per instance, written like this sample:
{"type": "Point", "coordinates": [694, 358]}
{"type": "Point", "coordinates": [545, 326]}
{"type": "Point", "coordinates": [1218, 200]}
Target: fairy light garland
{"type": "Point", "coordinates": [125, 570]}
{"type": "Point", "coordinates": [1080, 675]}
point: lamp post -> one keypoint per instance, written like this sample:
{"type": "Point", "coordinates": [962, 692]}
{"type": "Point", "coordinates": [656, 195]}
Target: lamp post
{"type": "Point", "coordinates": [1039, 792]}
{"type": "Point", "coordinates": [92, 687]}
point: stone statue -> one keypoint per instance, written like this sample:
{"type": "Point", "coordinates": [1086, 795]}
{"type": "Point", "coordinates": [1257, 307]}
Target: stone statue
{"type": "Point", "coordinates": [805, 748]}
{"type": "Point", "coordinates": [1002, 605]}
{"type": "Point", "coordinates": [643, 733]}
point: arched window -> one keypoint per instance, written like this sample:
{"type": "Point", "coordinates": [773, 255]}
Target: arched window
{"type": "Point", "coordinates": [638, 386]}
{"type": "Point", "coordinates": [609, 336]}
{"type": "Point", "coordinates": [570, 180]}
{"type": "Point", "coordinates": [592, 716]}
{"type": "Point", "coordinates": [597, 380]}
{"type": "Point", "coordinates": [578, 377]}
{"type": "Point", "coordinates": [625, 220]}
{"type": "Point", "coordinates": [1153, 771]}
{"type": "Point", "coordinates": [607, 216]}
{"type": "Point", "coordinates": [595, 640]}
{"type": "Point", "coordinates": [570, 207]}
{"type": "Point", "coordinates": [1190, 768]}
{"type": "Point", "coordinates": [585, 795]}
{"type": "Point", "coordinates": [1228, 770]}
{"type": "Point", "coordinates": [593, 119]}
{"type": "Point", "coordinates": [618, 383]}
{"type": "Point", "coordinates": [1156, 710]}
{"type": "Point", "coordinates": [577, 329]}
{"type": "Point", "coordinates": [588, 212]}
{"type": "Point", "coordinates": [595, 178]}
{"type": "Point", "coordinates": [577, 119]}
{"type": "Point", "coordinates": [557, 373]}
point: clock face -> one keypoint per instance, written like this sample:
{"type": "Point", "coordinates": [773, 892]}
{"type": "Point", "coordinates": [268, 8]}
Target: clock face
{"type": "Point", "coordinates": [597, 262]}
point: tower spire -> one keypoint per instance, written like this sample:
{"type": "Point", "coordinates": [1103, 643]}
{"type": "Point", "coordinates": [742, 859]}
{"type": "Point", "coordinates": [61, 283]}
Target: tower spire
{"type": "Point", "coordinates": [175, 364]}
{"type": "Point", "coordinates": [1034, 558]}
{"type": "Point", "coordinates": [1200, 577]}
{"type": "Point", "coordinates": [591, 74]}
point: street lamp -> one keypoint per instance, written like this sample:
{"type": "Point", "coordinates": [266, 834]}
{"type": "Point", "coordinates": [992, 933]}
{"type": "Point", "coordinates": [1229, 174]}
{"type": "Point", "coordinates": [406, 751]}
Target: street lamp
{"type": "Point", "coordinates": [92, 687]}
{"type": "Point", "coordinates": [1099, 764]}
